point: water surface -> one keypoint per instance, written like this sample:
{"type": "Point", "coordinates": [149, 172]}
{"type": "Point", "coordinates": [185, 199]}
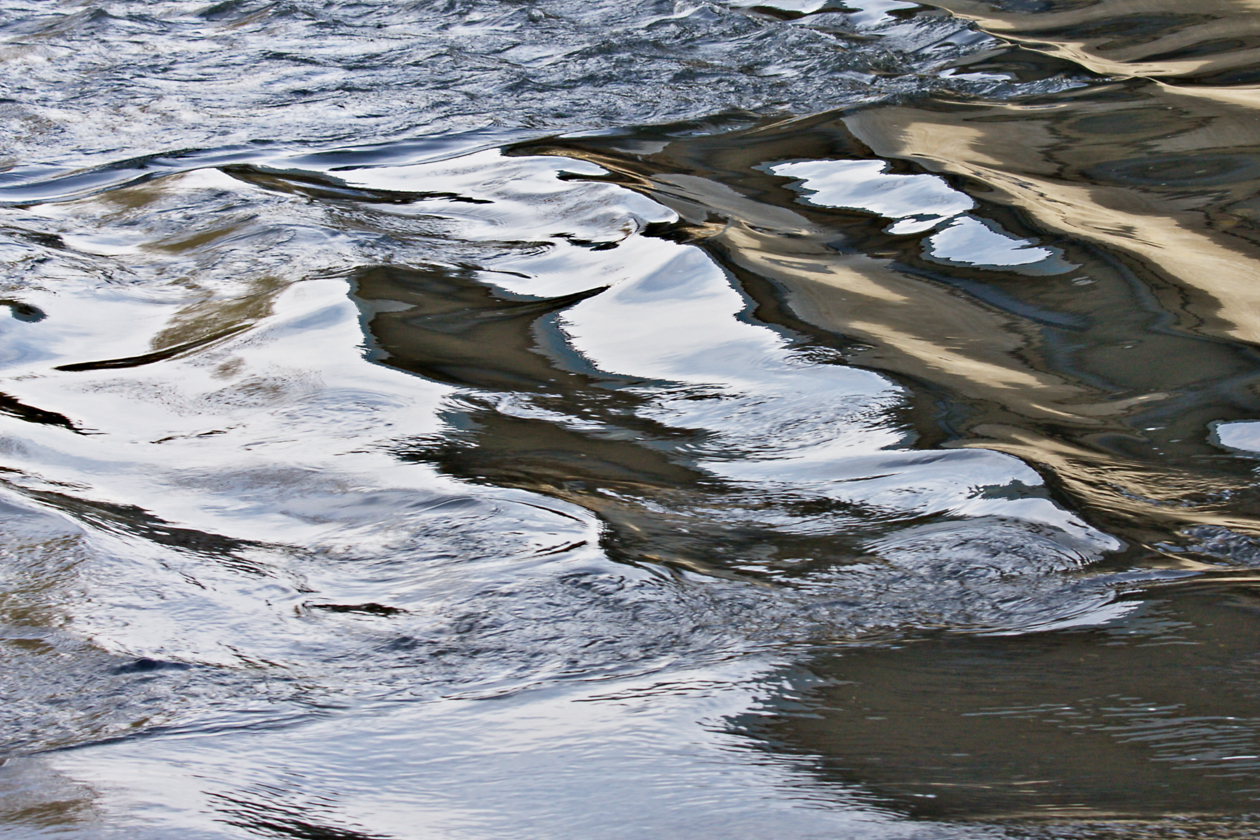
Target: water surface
{"type": "Point", "coordinates": [541, 419]}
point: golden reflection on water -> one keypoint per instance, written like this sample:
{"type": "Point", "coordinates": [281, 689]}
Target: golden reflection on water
{"type": "Point", "coordinates": [1146, 190]}
{"type": "Point", "coordinates": [1162, 179]}
{"type": "Point", "coordinates": [1145, 38]}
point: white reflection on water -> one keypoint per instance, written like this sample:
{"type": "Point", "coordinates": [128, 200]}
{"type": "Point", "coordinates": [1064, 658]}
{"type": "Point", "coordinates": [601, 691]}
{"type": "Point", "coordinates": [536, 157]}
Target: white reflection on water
{"type": "Point", "coordinates": [918, 202]}
{"type": "Point", "coordinates": [970, 241]}
{"type": "Point", "coordinates": [1242, 435]}
{"type": "Point", "coordinates": [623, 759]}
{"type": "Point", "coordinates": [805, 7]}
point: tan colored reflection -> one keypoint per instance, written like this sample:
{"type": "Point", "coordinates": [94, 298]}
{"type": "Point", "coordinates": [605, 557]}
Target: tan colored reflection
{"type": "Point", "coordinates": [981, 355]}
{"type": "Point", "coordinates": [35, 798]}
{"type": "Point", "coordinates": [1149, 38]}
{"type": "Point", "coordinates": [1025, 153]}
{"type": "Point", "coordinates": [916, 328]}
{"type": "Point", "coordinates": [1139, 724]}
{"type": "Point", "coordinates": [1163, 304]}
{"type": "Point", "coordinates": [213, 317]}
{"type": "Point", "coordinates": [208, 315]}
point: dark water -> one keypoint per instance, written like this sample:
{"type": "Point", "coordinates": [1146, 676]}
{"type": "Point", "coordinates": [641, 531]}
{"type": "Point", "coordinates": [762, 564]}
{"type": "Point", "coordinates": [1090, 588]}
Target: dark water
{"type": "Point", "coordinates": [630, 419]}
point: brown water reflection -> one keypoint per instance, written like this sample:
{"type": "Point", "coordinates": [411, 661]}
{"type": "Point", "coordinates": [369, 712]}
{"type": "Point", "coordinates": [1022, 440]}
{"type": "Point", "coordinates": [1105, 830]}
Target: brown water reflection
{"type": "Point", "coordinates": [1152, 716]}
{"type": "Point", "coordinates": [1209, 44]}
{"type": "Point", "coordinates": [1106, 369]}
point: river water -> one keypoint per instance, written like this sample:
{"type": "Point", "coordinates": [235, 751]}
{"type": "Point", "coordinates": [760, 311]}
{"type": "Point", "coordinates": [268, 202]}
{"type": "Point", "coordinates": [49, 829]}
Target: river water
{"type": "Point", "coordinates": [630, 418]}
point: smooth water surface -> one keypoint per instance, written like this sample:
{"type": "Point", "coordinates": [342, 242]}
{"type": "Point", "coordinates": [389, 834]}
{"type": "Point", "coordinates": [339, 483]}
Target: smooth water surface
{"type": "Point", "coordinates": [546, 419]}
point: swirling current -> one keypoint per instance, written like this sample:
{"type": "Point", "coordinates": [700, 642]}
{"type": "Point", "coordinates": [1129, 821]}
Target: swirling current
{"type": "Point", "coordinates": [657, 418]}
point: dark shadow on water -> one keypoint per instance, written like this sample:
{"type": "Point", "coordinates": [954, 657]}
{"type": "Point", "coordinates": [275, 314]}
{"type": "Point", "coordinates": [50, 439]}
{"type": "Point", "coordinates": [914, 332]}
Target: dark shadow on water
{"type": "Point", "coordinates": [265, 817]}
{"type": "Point", "coordinates": [1149, 717]}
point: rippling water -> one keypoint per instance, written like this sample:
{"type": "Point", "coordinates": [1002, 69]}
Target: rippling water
{"type": "Point", "coordinates": [659, 418]}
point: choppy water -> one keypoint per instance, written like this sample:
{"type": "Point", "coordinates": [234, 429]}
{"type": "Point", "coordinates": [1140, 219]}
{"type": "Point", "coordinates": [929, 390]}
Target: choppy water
{"type": "Point", "coordinates": [630, 419]}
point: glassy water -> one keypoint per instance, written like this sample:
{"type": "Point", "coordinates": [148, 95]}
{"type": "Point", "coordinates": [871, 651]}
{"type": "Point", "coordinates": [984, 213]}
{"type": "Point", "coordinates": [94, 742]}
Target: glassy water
{"type": "Point", "coordinates": [547, 419]}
